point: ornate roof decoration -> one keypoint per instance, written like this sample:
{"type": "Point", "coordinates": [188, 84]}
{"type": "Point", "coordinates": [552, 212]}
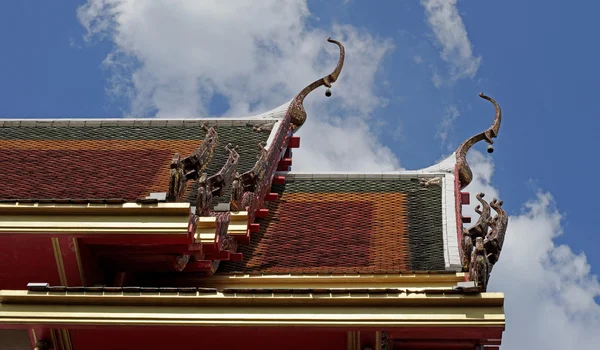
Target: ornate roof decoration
{"type": "Point", "coordinates": [495, 238]}
{"type": "Point", "coordinates": [298, 114]}
{"type": "Point", "coordinates": [465, 175]}
{"type": "Point", "coordinates": [214, 186]}
{"type": "Point", "coordinates": [248, 181]}
{"type": "Point", "coordinates": [191, 166]}
{"type": "Point", "coordinates": [488, 234]}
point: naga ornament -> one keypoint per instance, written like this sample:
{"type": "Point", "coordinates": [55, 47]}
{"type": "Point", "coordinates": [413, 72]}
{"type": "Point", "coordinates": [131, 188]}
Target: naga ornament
{"type": "Point", "coordinates": [480, 229]}
{"type": "Point", "coordinates": [482, 243]}
{"type": "Point", "coordinates": [495, 238]}
{"type": "Point", "coordinates": [214, 186]}
{"type": "Point", "coordinates": [176, 180]}
{"type": "Point", "coordinates": [248, 181]}
{"type": "Point", "coordinates": [297, 112]}
{"type": "Point", "coordinates": [479, 266]}
{"type": "Point", "coordinates": [191, 166]}
{"type": "Point", "coordinates": [465, 175]}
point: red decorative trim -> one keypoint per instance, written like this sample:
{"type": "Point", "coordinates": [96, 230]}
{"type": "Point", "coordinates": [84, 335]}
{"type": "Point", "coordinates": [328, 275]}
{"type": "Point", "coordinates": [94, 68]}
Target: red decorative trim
{"type": "Point", "coordinates": [222, 255]}
{"type": "Point", "coordinates": [279, 180]}
{"type": "Point", "coordinates": [285, 162]}
{"type": "Point", "coordinates": [294, 142]}
{"type": "Point", "coordinates": [465, 198]}
{"type": "Point", "coordinates": [262, 213]}
{"type": "Point", "coordinates": [254, 228]}
{"type": "Point", "coordinates": [466, 219]}
{"type": "Point", "coordinates": [271, 196]}
{"type": "Point", "coordinates": [236, 257]}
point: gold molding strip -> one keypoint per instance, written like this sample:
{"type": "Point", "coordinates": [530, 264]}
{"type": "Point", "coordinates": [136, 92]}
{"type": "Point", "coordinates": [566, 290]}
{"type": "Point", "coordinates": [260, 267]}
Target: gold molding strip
{"type": "Point", "coordinates": [18, 208]}
{"type": "Point", "coordinates": [350, 340]}
{"type": "Point", "coordinates": [206, 230]}
{"type": "Point", "coordinates": [95, 224]}
{"type": "Point", "coordinates": [79, 261]}
{"type": "Point", "coordinates": [54, 342]}
{"type": "Point", "coordinates": [69, 316]}
{"type": "Point", "coordinates": [238, 223]}
{"type": "Point", "coordinates": [9, 297]}
{"type": "Point", "coordinates": [65, 339]}
{"type": "Point", "coordinates": [59, 261]}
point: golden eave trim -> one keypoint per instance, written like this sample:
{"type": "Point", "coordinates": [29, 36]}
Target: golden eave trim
{"type": "Point", "coordinates": [81, 219]}
{"type": "Point", "coordinates": [238, 223]}
{"type": "Point", "coordinates": [33, 209]}
{"type": "Point", "coordinates": [180, 310]}
{"type": "Point", "coordinates": [89, 224]}
{"type": "Point", "coordinates": [206, 230]}
{"type": "Point", "coordinates": [361, 299]}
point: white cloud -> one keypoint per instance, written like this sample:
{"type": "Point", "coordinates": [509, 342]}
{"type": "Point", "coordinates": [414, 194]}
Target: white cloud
{"type": "Point", "coordinates": [549, 289]}
{"type": "Point", "coordinates": [172, 57]}
{"type": "Point", "coordinates": [347, 144]}
{"type": "Point", "coordinates": [447, 124]}
{"type": "Point", "coordinates": [451, 35]}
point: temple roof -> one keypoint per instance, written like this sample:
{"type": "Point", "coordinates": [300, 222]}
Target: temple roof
{"type": "Point", "coordinates": [116, 158]}
{"type": "Point", "coordinates": [356, 223]}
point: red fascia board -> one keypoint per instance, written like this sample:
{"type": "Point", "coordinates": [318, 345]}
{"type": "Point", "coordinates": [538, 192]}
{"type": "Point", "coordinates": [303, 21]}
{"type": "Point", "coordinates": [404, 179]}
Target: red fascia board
{"type": "Point", "coordinates": [271, 196]}
{"type": "Point", "coordinates": [294, 142]}
{"type": "Point", "coordinates": [262, 213]}
{"type": "Point", "coordinates": [222, 255]}
{"type": "Point", "coordinates": [279, 180]}
{"type": "Point", "coordinates": [465, 198]}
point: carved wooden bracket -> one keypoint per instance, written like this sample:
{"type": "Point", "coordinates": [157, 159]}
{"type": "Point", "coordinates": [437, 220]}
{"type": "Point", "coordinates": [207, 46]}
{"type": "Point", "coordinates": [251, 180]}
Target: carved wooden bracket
{"type": "Point", "coordinates": [191, 166]}
{"type": "Point", "coordinates": [488, 235]}
{"type": "Point", "coordinates": [298, 114]}
{"type": "Point", "coordinates": [465, 175]}
{"type": "Point", "coordinates": [214, 186]}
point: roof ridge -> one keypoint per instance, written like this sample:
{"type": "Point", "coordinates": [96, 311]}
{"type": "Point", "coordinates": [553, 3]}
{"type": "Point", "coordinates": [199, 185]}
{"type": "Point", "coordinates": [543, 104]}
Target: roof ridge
{"type": "Point", "coordinates": [274, 114]}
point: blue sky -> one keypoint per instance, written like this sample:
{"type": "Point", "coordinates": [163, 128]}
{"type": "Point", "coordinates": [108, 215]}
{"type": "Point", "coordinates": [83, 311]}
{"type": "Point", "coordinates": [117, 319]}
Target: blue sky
{"type": "Point", "coordinates": [408, 100]}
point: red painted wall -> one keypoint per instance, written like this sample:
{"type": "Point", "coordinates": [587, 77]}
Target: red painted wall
{"type": "Point", "coordinates": [207, 338]}
{"type": "Point", "coordinates": [25, 259]}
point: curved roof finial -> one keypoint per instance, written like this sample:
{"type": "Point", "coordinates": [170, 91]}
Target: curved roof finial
{"type": "Point", "coordinates": [297, 111]}
{"type": "Point", "coordinates": [465, 175]}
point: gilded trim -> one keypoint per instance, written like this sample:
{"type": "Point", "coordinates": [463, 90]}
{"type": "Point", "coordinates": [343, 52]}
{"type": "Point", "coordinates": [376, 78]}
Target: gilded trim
{"type": "Point", "coordinates": [59, 261]}
{"type": "Point", "coordinates": [350, 341]}
{"type": "Point", "coordinates": [18, 208]}
{"type": "Point", "coordinates": [378, 340]}
{"type": "Point", "coordinates": [23, 308]}
{"type": "Point", "coordinates": [241, 299]}
{"type": "Point", "coordinates": [34, 336]}
{"type": "Point", "coordinates": [79, 262]}
{"type": "Point", "coordinates": [55, 344]}
{"type": "Point", "coordinates": [65, 339]}
{"type": "Point", "coordinates": [159, 224]}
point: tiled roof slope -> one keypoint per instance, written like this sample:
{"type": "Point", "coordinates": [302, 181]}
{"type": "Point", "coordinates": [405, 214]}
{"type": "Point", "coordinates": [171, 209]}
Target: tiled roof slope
{"type": "Point", "coordinates": [348, 226]}
{"type": "Point", "coordinates": [125, 159]}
